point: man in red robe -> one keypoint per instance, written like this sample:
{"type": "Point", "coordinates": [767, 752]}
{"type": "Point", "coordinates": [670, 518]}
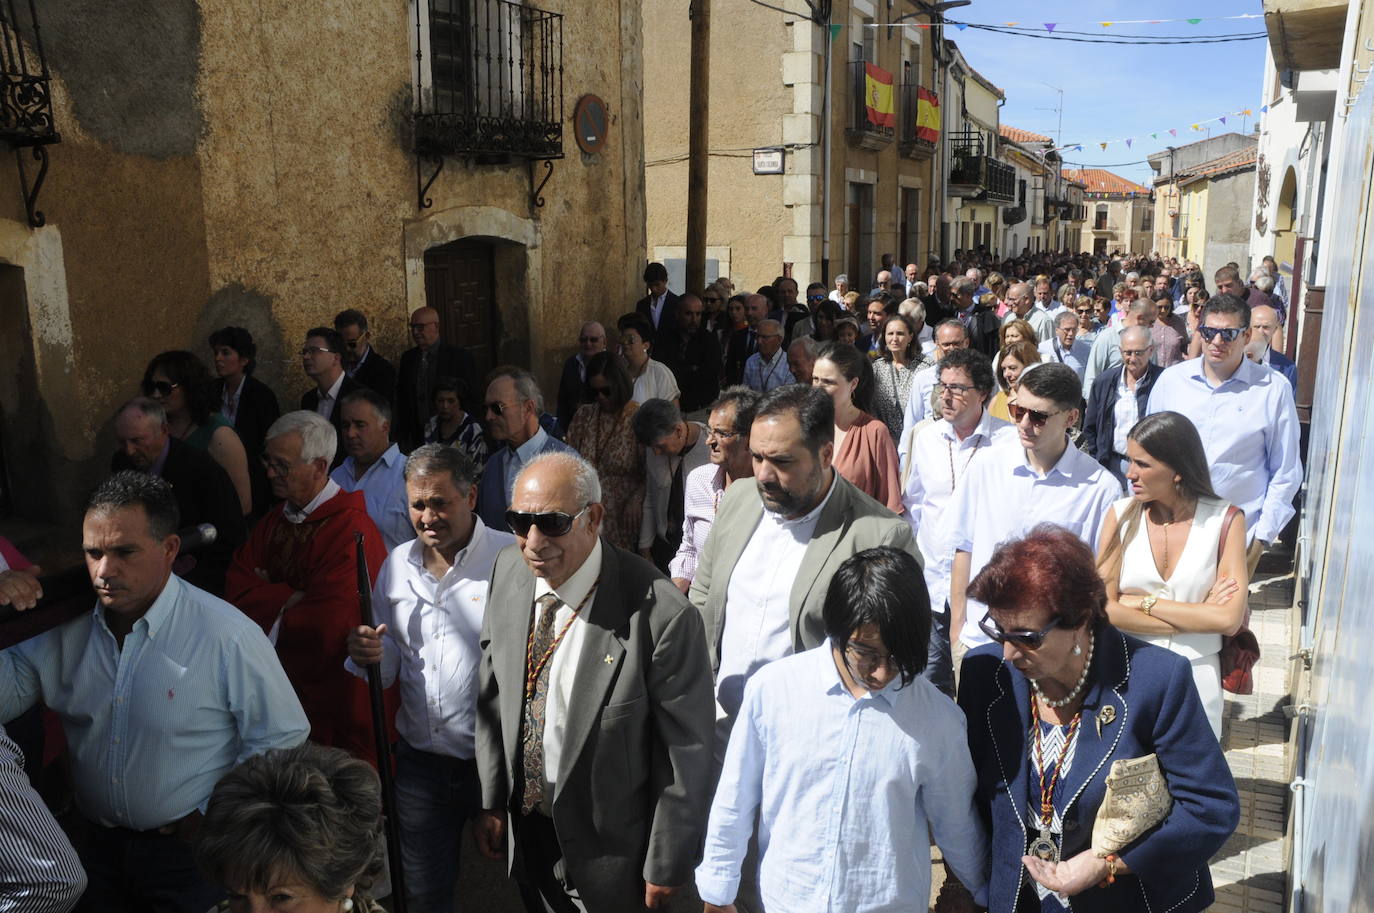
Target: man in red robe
{"type": "Point", "coordinates": [296, 576]}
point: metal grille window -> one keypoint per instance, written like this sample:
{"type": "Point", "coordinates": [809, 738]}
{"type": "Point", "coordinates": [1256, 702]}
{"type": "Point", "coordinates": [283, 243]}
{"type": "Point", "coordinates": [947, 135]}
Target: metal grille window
{"type": "Point", "coordinates": [26, 117]}
{"type": "Point", "coordinates": [490, 74]}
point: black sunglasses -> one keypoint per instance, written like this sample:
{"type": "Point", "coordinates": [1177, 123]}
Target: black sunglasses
{"type": "Point", "coordinates": [552, 524]}
{"type": "Point", "coordinates": [1031, 640]}
{"type": "Point", "coordinates": [1037, 417]}
{"type": "Point", "coordinates": [497, 408]}
{"type": "Point", "coordinates": [1227, 334]}
{"type": "Point", "coordinates": [158, 388]}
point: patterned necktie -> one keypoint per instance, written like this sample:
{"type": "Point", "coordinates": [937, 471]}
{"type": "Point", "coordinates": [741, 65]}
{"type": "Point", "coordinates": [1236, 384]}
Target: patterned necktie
{"type": "Point", "coordinates": [536, 703]}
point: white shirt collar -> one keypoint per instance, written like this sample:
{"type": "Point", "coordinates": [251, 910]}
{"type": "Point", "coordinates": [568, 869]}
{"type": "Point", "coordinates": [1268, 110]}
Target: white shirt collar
{"type": "Point", "coordinates": [331, 488]}
{"type": "Point", "coordinates": [982, 430]}
{"type": "Point", "coordinates": [576, 587]}
{"type": "Point", "coordinates": [334, 390]}
{"type": "Point", "coordinates": [416, 555]}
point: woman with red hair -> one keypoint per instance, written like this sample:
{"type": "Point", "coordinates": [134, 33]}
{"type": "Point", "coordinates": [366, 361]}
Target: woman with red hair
{"type": "Point", "coordinates": [1052, 703]}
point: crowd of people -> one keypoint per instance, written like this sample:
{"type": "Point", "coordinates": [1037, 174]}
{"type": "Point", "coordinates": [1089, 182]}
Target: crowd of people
{"type": "Point", "coordinates": [977, 588]}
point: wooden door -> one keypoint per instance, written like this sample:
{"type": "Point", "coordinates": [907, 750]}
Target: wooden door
{"type": "Point", "coordinates": [460, 283]}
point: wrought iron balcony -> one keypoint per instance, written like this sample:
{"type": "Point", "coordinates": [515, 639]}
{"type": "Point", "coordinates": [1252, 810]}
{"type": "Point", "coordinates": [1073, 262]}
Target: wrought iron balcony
{"type": "Point", "coordinates": [976, 175]}
{"type": "Point", "coordinates": [26, 116]}
{"type": "Point", "coordinates": [491, 81]}
{"type": "Point", "coordinates": [871, 116]}
{"type": "Point", "coordinates": [918, 139]}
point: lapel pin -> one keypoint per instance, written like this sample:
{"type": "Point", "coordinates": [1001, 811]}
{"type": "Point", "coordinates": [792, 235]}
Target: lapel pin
{"type": "Point", "coordinates": [608, 660]}
{"type": "Point", "coordinates": [1105, 716]}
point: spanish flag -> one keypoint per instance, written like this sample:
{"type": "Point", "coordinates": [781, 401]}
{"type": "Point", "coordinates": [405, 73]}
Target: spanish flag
{"type": "Point", "coordinates": [927, 115]}
{"type": "Point", "coordinates": [878, 96]}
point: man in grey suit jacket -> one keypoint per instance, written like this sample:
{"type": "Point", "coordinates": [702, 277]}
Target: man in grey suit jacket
{"type": "Point", "coordinates": [607, 785]}
{"type": "Point", "coordinates": [786, 534]}
{"type": "Point", "coordinates": [512, 407]}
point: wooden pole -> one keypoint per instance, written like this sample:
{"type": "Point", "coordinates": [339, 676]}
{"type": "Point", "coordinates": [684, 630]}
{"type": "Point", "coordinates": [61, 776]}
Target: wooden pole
{"type": "Point", "coordinates": [698, 143]}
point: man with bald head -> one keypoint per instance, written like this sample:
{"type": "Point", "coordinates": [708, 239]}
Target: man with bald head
{"type": "Point", "coordinates": [1106, 350]}
{"type": "Point", "coordinates": [1264, 323]}
{"type": "Point", "coordinates": [421, 366]}
{"type": "Point", "coordinates": [203, 491]}
{"type": "Point", "coordinates": [1118, 400]}
{"type": "Point", "coordinates": [572, 386]}
{"type": "Point", "coordinates": [767, 368]}
{"type": "Point", "coordinates": [1023, 307]}
{"type": "Point", "coordinates": [595, 717]}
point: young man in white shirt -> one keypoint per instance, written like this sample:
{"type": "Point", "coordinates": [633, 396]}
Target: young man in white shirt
{"type": "Point", "coordinates": [428, 603]}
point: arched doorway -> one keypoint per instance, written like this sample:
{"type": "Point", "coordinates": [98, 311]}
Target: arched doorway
{"type": "Point", "coordinates": [1284, 226]}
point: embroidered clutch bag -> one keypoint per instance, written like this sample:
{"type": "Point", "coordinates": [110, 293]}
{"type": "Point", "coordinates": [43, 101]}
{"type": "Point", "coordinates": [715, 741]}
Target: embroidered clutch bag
{"type": "Point", "coordinates": [1137, 799]}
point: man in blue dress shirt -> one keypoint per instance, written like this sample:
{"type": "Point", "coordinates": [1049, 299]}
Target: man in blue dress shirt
{"type": "Point", "coordinates": [850, 760]}
{"type": "Point", "coordinates": [161, 690]}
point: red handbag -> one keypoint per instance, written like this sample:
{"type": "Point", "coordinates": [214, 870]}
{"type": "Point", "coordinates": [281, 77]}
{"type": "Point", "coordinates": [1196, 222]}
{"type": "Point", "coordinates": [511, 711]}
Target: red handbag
{"type": "Point", "coordinates": [1239, 651]}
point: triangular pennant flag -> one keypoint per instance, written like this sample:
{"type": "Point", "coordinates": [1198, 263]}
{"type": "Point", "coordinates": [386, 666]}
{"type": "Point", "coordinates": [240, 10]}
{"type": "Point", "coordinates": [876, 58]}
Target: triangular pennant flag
{"type": "Point", "coordinates": [1194, 21]}
{"type": "Point", "coordinates": [1154, 136]}
{"type": "Point", "coordinates": [1248, 112]}
{"type": "Point", "coordinates": [1104, 146]}
{"type": "Point", "coordinates": [924, 25]}
{"type": "Point", "coordinates": [1078, 148]}
{"type": "Point", "coordinates": [1011, 24]}
{"type": "Point", "coordinates": [1197, 126]}
{"type": "Point", "coordinates": [1222, 119]}
{"type": "Point", "coordinates": [1049, 26]}
{"type": "Point", "coordinates": [1264, 108]}
{"type": "Point", "coordinates": [834, 32]}
{"type": "Point", "coordinates": [1173, 132]}
{"type": "Point", "coordinates": [961, 25]}
{"type": "Point", "coordinates": [1106, 25]}
{"type": "Point", "coordinates": [1128, 144]}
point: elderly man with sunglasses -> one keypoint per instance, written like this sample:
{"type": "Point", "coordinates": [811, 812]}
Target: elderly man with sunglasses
{"type": "Point", "coordinates": [1246, 417]}
{"type": "Point", "coordinates": [1011, 487]}
{"type": "Point", "coordinates": [595, 715]}
{"type": "Point", "coordinates": [512, 409]}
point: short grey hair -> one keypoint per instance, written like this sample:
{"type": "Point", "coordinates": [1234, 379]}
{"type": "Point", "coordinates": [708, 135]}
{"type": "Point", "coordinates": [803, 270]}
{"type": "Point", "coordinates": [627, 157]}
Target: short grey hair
{"type": "Point", "coordinates": [319, 440]}
{"type": "Point", "coordinates": [1264, 282]}
{"type": "Point", "coordinates": [963, 285]}
{"type": "Point", "coordinates": [1138, 333]}
{"type": "Point", "coordinates": [586, 482]}
{"type": "Point", "coordinates": [808, 345]}
{"type": "Point", "coordinates": [146, 405]}
{"type": "Point", "coordinates": [1064, 317]}
{"type": "Point", "coordinates": [654, 420]}
{"type": "Point", "coordinates": [526, 387]}
{"type": "Point", "coordinates": [437, 459]}
{"type": "Point", "coordinates": [913, 308]}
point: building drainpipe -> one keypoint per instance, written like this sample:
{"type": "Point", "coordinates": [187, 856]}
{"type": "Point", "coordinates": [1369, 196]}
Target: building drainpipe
{"type": "Point", "coordinates": [826, 130]}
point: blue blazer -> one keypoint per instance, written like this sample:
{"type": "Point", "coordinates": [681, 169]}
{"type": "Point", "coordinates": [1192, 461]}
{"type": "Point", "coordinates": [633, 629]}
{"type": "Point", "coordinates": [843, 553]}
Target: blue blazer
{"type": "Point", "coordinates": [1156, 710]}
{"type": "Point", "coordinates": [492, 497]}
{"type": "Point", "coordinates": [1284, 365]}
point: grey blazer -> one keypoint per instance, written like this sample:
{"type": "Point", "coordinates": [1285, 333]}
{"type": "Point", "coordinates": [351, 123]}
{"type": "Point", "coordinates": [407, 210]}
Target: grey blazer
{"type": "Point", "coordinates": [850, 523]}
{"type": "Point", "coordinates": [634, 781]}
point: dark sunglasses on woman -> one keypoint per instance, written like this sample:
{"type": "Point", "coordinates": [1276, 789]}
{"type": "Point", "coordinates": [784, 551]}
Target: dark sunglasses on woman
{"type": "Point", "coordinates": [1031, 640]}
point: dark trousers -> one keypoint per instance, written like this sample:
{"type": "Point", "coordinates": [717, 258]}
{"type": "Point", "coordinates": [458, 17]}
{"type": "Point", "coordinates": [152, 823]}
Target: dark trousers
{"type": "Point", "coordinates": [435, 797]}
{"type": "Point", "coordinates": [939, 664]}
{"type": "Point", "coordinates": [141, 872]}
{"type": "Point", "coordinates": [540, 869]}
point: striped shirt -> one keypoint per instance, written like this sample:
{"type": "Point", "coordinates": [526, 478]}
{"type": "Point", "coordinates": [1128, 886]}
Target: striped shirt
{"type": "Point", "coordinates": [39, 871]}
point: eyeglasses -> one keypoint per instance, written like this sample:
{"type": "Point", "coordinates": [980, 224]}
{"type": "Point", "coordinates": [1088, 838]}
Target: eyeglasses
{"type": "Point", "coordinates": [1031, 640]}
{"type": "Point", "coordinates": [601, 391]}
{"type": "Point", "coordinates": [720, 434]}
{"type": "Point", "coordinates": [497, 408]}
{"type": "Point", "coordinates": [815, 297]}
{"type": "Point", "coordinates": [158, 388]}
{"type": "Point", "coordinates": [279, 467]}
{"type": "Point", "coordinates": [553, 524]}
{"type": "Point", "coordinates": [955, 390]}
{"type": "Point", "coordinates": [1136, 352]}
{"type": "Point", "coordinates": [1227, 334]}
{"type": "Point", "coordinates": [1037, 417]}
{"type": "Point", "coordinates": [867, 657]}
{"type": "Point", "coordinates": [1084, 310]}
{"type": "Point", "coordinates": [315, 350]}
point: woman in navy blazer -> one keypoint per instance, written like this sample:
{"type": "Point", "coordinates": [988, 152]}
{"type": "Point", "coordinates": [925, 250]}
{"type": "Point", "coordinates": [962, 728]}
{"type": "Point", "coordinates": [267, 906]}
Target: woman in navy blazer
{"type": "Point", "coordinates": [1067, 687]}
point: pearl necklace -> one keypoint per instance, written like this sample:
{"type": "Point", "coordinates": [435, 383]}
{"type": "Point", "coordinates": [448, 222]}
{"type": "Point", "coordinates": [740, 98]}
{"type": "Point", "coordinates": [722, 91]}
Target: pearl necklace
{"type": "Point", "coordinates": [1078, 686]}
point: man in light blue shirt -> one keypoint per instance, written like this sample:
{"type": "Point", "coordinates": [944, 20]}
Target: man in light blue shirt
{"type": "Point", "coordinates": [512, 408]}
{"type": "Point", "coordinates": [1245, 415]}
{"type": "Point", "coordinates": [851, 761]}
{"type": "Point", "coordinates": [374, 465]}
{"type": "Point", "coordinates": [161, 690]}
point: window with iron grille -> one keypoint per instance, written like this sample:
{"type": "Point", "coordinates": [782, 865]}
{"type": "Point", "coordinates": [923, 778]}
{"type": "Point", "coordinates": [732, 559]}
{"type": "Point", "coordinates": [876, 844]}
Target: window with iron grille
{"type": "Point", "coordinates": [490, 78]}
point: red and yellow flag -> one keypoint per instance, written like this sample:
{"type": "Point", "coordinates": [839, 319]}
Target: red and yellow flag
{"type": "Point", "coordinates": [927, 115]}
{"type": "Point", "coordinates": [878, 96]}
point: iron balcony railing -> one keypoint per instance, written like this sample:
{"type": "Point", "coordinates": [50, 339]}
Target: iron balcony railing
{"type": "Point", "coordinates": [973, 168]}
{"type": "Point", "coordinates": [870, 115]}
{"type": "Point", "coordinates": [491, 81]}
{"type": "Point", "coordinates": [25, 99]}
{"type": "Point", "coordinates": [917, 139]}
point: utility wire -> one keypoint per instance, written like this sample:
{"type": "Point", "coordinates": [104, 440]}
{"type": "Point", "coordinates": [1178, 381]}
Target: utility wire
{"type": "Point", "coordinates": [1058, 31]}
{"type": "Point", "coordinates": [1051, 36]}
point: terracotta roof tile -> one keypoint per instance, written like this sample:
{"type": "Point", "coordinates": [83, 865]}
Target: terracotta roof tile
{"type": "Point", "coordinates": [1231, 161]}
{"type": "Point", "coordinates": [1099, 180]}
{"type": "Point", "coordinates": [1017, 135]}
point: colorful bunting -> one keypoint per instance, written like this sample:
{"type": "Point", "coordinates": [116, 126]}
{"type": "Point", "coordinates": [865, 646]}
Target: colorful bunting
{"type": "Point", "coordinates": [834, 32]}
{"type": "Point", "coordinates": [1049, 26]}
{"type": "Point", "coordinates": [1106, 25]}
{"type": "Point", "coordinates": [961, 25]}
{"type": "Point", "coordinates": [1194, 21]}
{"type": "Point", "coordinates": [1222, 119]}
{"type": "Point", "coordinates": [1173, 132]}
{"type": "Point", "coordinates": [1154, 136]}
{"type": "Point", "coordinates": [1264, 108]}
{"type": "Point", "coordinates": [1104, 146]}
{"type": "Point", "coordinates": [1128, 144]}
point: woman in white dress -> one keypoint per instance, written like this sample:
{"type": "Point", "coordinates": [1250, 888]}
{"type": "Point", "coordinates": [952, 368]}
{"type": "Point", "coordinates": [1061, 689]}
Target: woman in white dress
{"type": "Point", "coordinates": [1173, 554]}
{"type": "Point", "coordinates": [652, 379]}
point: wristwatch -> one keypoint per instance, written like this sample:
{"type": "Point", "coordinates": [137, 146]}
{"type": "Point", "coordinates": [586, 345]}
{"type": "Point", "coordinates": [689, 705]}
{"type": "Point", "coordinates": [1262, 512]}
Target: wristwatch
{"type": "Point", "coordinates": [1148, 603]}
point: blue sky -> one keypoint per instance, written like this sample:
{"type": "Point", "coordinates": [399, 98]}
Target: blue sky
{"type": "Point", "coordinates": [1115, 91]}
